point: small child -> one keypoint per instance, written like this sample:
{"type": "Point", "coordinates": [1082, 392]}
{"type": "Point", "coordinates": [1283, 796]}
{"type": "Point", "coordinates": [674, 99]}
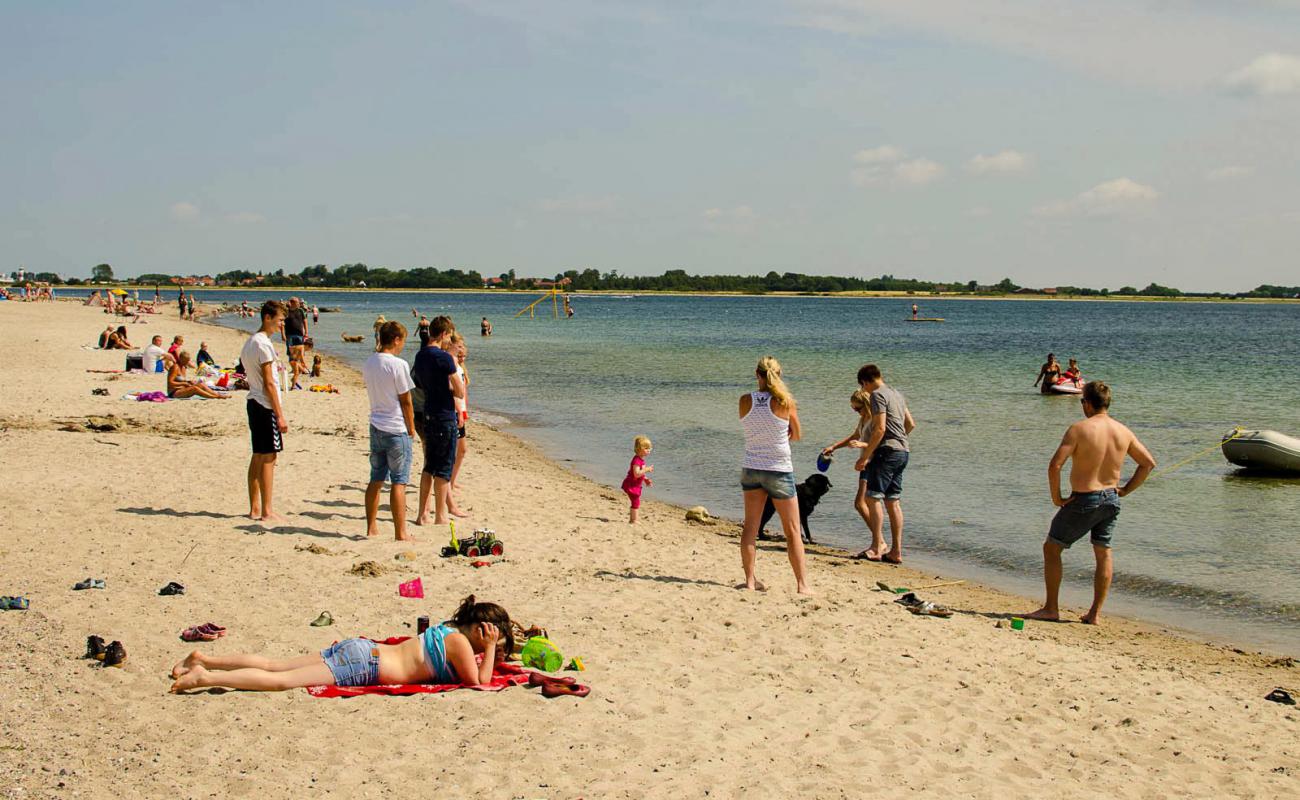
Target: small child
{"type": "Point", "coordinates": [638, 472]}
{"type": "Point", "coordinates": [315, 367]}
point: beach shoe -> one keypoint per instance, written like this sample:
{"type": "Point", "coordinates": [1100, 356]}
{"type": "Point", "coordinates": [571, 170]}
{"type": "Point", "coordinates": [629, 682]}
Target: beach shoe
{"type": "Point", "coordinates": [100, 392]}
{"type": "Point", "coordinates": [172, 588]}
{"type": "Point", "coordinates": [910, 599]}
{"type": "Point", "coordinates": [14, 603]}
{"type": "Point", "coordinates": [928, 609]}
{"type": "Point", "coordinates": [553, 689]}
{"type": "Point", "coordinates": [90, 583]}
{"type": "Point", "coordinates": [197, 634]}
{"type": "Point", "coordinates": [211, 627]}
{"type": "Point", "coordinates": [538, 679]}
{"type": "Point", "coordinates": [115, 655]}
{"type": "Point", "coordinates": [323, 620]}
{"type": "Point", "coordinates": [95, 648]}
{"type": "Point", "coordinates": [1280, 696]}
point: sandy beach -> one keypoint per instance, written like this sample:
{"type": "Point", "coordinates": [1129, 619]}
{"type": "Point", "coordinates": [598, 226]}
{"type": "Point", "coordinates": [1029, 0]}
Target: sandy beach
{"type": "Point", "coordinates": [697, 689]}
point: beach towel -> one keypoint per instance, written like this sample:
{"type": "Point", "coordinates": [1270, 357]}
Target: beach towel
{"type": "Point", "coordinates": [146, 397]}
{"type": "Point", "coordinates": [504, 675]}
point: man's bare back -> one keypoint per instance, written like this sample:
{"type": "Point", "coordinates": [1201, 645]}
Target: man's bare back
{"type": "Point", "coordinates": [1099, 445]}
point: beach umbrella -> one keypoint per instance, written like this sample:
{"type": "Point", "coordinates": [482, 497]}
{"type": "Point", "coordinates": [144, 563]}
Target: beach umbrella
{"type": "Point", "coordinates": [118, 291]}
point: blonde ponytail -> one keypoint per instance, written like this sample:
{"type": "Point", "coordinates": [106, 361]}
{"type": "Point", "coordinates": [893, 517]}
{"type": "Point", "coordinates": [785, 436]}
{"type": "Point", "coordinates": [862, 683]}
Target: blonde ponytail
{"type": "Point", "coordinates": [770, 370]}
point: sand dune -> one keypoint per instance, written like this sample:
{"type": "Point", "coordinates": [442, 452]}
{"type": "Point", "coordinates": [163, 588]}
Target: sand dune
{"type": "Point", "coordinates": [698, 689]}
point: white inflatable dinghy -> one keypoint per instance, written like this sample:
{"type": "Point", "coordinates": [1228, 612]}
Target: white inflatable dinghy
{"type": "Point", "coordinates": [1067, 386]}
{"type": "Point", "coordinates": [1262, 450]}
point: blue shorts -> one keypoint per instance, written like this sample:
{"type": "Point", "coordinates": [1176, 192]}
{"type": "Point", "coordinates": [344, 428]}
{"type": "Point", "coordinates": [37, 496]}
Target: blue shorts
{"type": "Point", "coordinates": [1086, 512]}
{"type": "Point", "coordinates": [778, 485]}
{"type": "Point", "coordinates": [353, 662]}
{"type": "Point", "coordinates": [390, 456]}
{"type": "Point", "coordinates": [440, 447]}
{"type": "Point", "coordinates": [884, 473]}
{"type": "Point", "coordinates": [293, 340]}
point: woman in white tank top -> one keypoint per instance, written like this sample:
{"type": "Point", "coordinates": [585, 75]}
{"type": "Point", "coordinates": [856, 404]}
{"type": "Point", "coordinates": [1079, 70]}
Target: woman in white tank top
{"type": "Point", "coordinates": [770, 422]}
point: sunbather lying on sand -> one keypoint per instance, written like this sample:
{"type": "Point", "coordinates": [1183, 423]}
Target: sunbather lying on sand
{"type": "Point", "coordinates": [178, 386]}
{"type": "Point", "coordinates": [442, 654]}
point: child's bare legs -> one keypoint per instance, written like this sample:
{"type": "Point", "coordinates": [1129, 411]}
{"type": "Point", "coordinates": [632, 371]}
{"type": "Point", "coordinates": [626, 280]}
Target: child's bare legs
{"type": "Point", "coordinates": [460, 458]}
{"type": "Point", "coordinates": [631, 515]}
{"type": "Point", "coordinates": [755, 499]}
{"type": "Point", "coordinates": [789, 511]}
{"type": "Point", "coordinates": [245, 671]}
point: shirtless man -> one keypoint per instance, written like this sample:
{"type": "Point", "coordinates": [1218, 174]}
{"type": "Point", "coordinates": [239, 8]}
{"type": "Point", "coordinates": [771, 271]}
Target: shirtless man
{"type": "Point", "coordinates": [1098, 446]}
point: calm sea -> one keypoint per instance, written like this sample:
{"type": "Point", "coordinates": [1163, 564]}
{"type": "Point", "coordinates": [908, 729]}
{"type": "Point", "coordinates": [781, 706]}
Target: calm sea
{"type": "Point", "coordinates": [1203, 547]}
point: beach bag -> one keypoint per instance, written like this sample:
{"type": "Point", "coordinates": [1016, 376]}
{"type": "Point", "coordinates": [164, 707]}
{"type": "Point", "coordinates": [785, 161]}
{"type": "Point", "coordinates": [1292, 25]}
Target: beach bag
{"type": "Point", "coordinates": [540, 653]}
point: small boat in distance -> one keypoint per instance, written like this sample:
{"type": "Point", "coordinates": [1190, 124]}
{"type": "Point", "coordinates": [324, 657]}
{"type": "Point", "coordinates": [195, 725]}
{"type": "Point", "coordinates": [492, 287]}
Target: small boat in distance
{"type": "Point", "coordinates": [924, 319]}
{"type": "Point", "coordinates": [1266, 451]}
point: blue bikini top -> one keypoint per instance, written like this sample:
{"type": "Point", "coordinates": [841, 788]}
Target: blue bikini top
{"type": "Point", "coordinates": [435, 650]}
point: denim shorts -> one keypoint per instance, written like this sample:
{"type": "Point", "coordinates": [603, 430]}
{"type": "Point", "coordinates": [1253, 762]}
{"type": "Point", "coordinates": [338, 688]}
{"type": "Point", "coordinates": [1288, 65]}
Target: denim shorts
{"type": "Point", "coordinates": [353, 662]}
{"type": "Point", "coordinates": [390, 456]}
{"type": "Point", "coordinates": [778, 485]}
{"type": "Point", "coordinates": [1086, 512]}
{"type": "Point", "coordinates": [884, 473]}
{"type": "Point", "coordinates": [440, 447]}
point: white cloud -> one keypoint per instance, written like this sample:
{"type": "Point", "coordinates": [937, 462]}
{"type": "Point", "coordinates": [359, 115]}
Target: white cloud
{"type": "Point", "coordinates": [918, 171]}
{"type": "Point", "coordinates": [884, 154]}
{"type": "Point", "coordinates": [184, 212]}
{"type": "Point", "coordinates": [1270, 74]}
{"type": "Point", "coordinates": [245, 218]}
{"type": "Point", "coordinates": [1230, 172]}
{"type": "Point", "coordinates": [741, 219]}
{"type": "Point", "coordinates": [1005, 162]}
{"type": "Point", "coordinates": [1111, 198]}
{"type": "Point", "coordinates": [886, 161]}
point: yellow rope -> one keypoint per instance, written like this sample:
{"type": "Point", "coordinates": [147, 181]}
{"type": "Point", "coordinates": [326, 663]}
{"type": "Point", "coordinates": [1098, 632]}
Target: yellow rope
{"type": "Point", "coordinates": [1237, 431]}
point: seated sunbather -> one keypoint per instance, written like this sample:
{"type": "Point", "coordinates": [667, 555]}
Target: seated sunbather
{"type": "Point", "coordinates": [442, 654]}
{"type": "Point", "coordinates": [117, 340]}
{"type": "Point", "coordinates": [204, 357]}
{"type": "Point", "coordinates": [103, 337]}
{"type": "Point", "coordinates": [178, 386]}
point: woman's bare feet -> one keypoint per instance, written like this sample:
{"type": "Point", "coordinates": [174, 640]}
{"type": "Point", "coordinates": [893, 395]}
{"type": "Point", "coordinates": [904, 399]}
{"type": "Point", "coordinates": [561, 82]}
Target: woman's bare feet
{"type": "Point", "coordinates": [190, 679]}
{"type": "Point", "coordinates": [1045, 614]}
{"type": "Point", "coordinates": [805, 590]}
{"type": "Point", "coordinates": [186, 664]}
{"type": "Point", "coordinates": [273, 517]}
{"type": "Point", "coordinates": [456, 512]}
{"type": "Point", "coordinates": [1091, 618]}
{"type": "Point", "coordinates": [753, 585]}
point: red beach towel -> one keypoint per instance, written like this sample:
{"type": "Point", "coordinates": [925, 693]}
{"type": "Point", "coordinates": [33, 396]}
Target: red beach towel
{"type": "Point", "coordinates": [504, 675]}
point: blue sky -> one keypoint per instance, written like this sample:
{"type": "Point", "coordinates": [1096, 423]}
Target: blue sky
{"type": "Point", "coordinates": [1100, 143]}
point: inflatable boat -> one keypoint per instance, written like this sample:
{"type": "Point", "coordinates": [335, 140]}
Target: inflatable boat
{"type": "Point", "coordinates": [1262, 450]}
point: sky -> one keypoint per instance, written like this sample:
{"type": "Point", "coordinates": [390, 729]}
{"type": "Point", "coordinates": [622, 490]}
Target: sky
{"type": "Point", "coordinates": [1097, 143]}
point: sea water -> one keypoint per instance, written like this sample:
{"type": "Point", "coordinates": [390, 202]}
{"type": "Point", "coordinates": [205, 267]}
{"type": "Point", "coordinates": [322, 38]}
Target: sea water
{"type": "Point", "coordinates": [1203, 547]}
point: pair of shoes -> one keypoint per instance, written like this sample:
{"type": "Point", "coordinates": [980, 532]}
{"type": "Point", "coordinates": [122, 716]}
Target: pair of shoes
{"type": "Point", "coordinates": [90, 583]}
{"type": "Point", "coordinates": [172, 588]}
{"type": "Point", "coordinates": [207, 632]}
{"type": "Point", "coordinates": [323, 620]}
{"type": "Point", "coordinates": [14, 603]}
{"type": "Point", "coordinates": [99, 392]}
{"type": "Point", "coordinates": [929, 609]}
{"type": "Point", "coordinates": [565, 686]}
{"type": "Point", "coordinates": [113, 654]}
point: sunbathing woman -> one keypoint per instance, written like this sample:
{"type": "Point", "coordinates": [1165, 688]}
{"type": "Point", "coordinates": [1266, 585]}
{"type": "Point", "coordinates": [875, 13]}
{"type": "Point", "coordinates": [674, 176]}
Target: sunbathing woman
{"type": "Point", "coordinates": [118, 341]}
{"type": "Point", "coordinates": [179, 387]}
{"type": "Point", "coordinates": [442, 654]}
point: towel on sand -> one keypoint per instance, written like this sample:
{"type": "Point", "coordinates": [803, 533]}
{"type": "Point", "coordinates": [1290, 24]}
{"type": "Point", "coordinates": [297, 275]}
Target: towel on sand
{"type": "Point", "coordinates": [504, 675]}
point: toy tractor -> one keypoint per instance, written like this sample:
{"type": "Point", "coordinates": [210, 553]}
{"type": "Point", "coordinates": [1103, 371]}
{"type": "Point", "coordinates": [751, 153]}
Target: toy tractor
{"type": "Point", "coordinates": [483, 543]}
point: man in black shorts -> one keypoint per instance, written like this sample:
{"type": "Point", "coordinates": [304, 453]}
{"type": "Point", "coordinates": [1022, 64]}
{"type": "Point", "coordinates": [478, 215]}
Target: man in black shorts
{"type": "Point", "coordinates": [434, 373]}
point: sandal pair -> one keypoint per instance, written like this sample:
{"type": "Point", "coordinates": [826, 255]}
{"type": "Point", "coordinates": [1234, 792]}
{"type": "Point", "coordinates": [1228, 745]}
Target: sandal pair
{"type": "Point", "coordinates": [566, 686]}
{"type": "Point", "coordinates": [207, 632]}
{"type": "Point", "coordinates": [112, 654]}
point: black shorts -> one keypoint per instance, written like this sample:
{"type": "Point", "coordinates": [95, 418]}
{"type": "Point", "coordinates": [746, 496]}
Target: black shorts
{"type": "Point", "coordinates": [265, 429]}
{"type": "Point", "coordinates": [440, 447]}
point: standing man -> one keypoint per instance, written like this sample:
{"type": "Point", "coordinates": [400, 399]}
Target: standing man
{"type": "Point", "coordinates": [266, 419]}
{"type": "Point", "coordinates": [423, 331]}
{"type": "Point", "coordinates": [886, 454]}
{"type": "Point", "coordinates": [180, 301]}
{"type": "Point", "coordinates": [1098, 444]}
{"type": "Point", "coordinates": [915, 310]}
{"type": "Point", "coordinates": [435, 373]}
{"type": "Point", "coordinates": [392, 427]}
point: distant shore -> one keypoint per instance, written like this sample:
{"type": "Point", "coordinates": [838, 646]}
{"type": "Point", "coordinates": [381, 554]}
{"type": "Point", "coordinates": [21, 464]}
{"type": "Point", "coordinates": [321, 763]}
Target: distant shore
{"type": "Point", "coordinates": [900, 295]}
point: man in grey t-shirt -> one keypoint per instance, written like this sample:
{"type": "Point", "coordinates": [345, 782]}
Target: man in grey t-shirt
{"type": "Point", "coordinates": [886, 453]}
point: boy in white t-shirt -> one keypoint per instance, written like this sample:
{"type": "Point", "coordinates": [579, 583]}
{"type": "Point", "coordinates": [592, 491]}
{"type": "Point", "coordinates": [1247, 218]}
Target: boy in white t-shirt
{"type": "Point", "coordinates": [266, 419]}
{"type": "Point", "coordinates": [392, 427]}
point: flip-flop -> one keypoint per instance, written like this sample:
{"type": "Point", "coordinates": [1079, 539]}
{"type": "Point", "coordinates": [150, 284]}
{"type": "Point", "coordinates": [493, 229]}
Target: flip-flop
{"type": "Point", "coordinates": [197, 634]}
{"type": "Point", "coordinates": [551, 689]}
{"type": "Point", "coordinates": [538, 679]}
{"type": "Point", "coordinates": [323, 620]}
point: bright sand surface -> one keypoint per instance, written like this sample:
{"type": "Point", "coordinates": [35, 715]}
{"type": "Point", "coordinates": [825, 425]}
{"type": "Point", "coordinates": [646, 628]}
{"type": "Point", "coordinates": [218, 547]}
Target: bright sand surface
{"type": "Point", "coordinates": [697, 689]}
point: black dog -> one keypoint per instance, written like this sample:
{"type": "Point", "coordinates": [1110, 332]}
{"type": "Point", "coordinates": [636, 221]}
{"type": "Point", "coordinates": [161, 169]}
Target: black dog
{"type": "Point", "coordinates": [810, 493]}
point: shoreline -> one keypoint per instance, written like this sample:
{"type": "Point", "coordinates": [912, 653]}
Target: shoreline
{"type": "Point", "coordinates": [969, 708]}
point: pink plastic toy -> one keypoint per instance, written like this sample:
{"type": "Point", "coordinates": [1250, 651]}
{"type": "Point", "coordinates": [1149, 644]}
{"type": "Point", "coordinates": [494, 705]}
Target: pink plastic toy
{"type": "Point", "coordinates": [412, 588]}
